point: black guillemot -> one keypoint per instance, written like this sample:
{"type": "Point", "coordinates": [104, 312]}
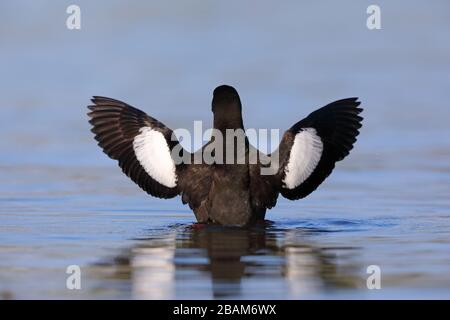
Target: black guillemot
{"type": "Point", "coordinates": [226, 193]}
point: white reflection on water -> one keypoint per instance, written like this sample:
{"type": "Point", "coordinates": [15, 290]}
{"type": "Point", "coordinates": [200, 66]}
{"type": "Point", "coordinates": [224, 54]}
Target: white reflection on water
{"type": "Point", "coordinates": [153, 272]}
{"type": "Point", "coordinates": [217, 262]}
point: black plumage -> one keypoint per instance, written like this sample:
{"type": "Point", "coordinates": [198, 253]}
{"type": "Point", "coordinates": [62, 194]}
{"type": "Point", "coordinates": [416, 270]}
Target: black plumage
{"type": "Point", "coordinates": [229, 194]}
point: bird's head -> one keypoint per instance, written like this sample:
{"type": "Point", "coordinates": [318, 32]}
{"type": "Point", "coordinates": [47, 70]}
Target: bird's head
{"type": "Point", "coordinates": [227, 108]}
{"type": "Point", "coordinates": [225, 97]}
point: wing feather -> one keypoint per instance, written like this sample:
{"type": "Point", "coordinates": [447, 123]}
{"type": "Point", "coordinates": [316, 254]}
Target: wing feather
{"type": "Point", "coordinates": [118, 127]}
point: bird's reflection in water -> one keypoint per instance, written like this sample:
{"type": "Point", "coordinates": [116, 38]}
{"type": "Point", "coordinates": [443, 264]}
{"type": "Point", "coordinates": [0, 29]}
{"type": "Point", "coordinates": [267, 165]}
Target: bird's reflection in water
{"type": "Point", "coordinates": [255, 263]}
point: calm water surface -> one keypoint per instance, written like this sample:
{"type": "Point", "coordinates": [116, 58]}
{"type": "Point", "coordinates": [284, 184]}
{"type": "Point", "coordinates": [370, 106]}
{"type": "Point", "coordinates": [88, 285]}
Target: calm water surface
{"type": "Point", "coordinates": [62, 202]}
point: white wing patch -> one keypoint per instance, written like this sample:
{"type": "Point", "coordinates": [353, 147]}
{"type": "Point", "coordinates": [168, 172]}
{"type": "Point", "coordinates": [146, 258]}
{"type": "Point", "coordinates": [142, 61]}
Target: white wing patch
{"type": "Point", "coordinates": [153, 154]}
{"type": "Point", "coordinates": [304, 157]}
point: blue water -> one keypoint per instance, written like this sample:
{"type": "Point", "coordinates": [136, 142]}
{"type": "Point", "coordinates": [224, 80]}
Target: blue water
{"type": "Point", "coordinates": [63, 202]}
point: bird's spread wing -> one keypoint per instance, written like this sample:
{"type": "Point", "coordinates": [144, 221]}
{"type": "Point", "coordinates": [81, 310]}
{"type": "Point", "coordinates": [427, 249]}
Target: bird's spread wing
{"type": "Point", "coordinates": [309, 150]}
{"type": "Point", "coordinates": [148, 152]}
{"type": "Point", "coordinates": [141, 144]}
